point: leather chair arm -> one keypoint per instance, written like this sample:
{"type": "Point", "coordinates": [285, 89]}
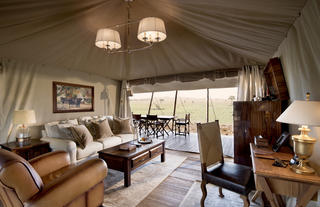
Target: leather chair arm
{"type": "Point", "coordinates": [71, 185]}
{"type": "Point", "coordinates": [50, 162]}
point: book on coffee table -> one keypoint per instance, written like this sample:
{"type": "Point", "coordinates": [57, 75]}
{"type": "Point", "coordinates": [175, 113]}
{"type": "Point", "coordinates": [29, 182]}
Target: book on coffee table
{"type": "Point", "coordinates": [127, 147]}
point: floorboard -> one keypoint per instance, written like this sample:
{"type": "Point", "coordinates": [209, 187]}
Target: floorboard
{"type": "Point", "coordinates": [174, 188]}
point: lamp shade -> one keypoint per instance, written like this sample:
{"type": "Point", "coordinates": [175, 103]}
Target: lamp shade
{"type": "Point", "coordinates": [302, 113]}
{"type": "Point", "coordinates": [151, 29]}
{"type": "Point", "coordinates": [108, 38]}
{"type": "Point", "coordinates": [24, 117]}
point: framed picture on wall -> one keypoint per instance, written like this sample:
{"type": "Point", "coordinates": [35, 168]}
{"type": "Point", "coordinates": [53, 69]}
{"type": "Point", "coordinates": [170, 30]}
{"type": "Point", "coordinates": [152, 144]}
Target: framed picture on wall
{"type": "Point", "coordinates": [68, 97]}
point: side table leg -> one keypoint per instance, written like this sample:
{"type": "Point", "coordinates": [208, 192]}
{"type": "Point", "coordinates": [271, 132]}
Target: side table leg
{"type": "Point", "coordinates": [127, 174]}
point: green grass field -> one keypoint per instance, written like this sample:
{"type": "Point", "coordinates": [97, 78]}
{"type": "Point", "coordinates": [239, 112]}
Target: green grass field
{"type": "Point", "coordinates": [195, 106]}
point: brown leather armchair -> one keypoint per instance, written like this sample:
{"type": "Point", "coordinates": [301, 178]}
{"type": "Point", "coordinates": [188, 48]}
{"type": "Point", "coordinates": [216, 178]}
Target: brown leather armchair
{"type": "Point", "coordinates": [50, 180]}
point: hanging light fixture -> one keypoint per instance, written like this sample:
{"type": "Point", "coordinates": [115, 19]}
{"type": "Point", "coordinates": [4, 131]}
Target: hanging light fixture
{"type": "Point", "coordinates": [108, 39]}
{"type": "Point", "coordinates": [151, 30]}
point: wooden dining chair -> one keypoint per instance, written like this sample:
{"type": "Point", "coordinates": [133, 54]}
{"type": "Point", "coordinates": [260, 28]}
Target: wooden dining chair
{"type": "Point", "coordinates": [138, 122]}
{"type": "Point", "coordinates": [185, 123]}
{"type": "Point", "coordinates": [154, 126]}
{"type": "Point", "coordinates": [234, 177]}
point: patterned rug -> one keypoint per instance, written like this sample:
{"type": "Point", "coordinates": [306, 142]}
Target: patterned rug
{"type": "Point", "coordinates": [143, 180]}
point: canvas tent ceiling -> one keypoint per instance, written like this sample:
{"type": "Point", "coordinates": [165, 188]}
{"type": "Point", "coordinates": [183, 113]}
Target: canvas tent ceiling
{"type": "Point", "coordinates": [203, 35]}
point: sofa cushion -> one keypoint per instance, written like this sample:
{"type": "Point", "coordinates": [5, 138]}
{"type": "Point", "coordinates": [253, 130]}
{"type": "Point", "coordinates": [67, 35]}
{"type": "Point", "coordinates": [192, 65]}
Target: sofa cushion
{"type": "Point", "coordinates": [125, 137]}
{"type": "Point", "coordinates": [122, 126]}
{"type": "Point", "coordinates": [91, 149]}
{"type": "Point", "coordinates": [81, 135]}
{"type": "Point", "coordinates": [56, 130]}
{"type": "Point", "coordinates": [84, 119]}
{"type": "Point", "coordinates": [110, 141]}
{"type": "Point", "coordinates": [52, 129]}
{"type": "Point", "coordinates": [102, 129]}
{"type": "Point", "coordinates": [70, 121]}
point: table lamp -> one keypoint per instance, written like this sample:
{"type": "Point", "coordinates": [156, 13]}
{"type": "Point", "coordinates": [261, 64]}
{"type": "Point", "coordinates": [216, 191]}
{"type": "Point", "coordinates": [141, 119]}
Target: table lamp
{"type": "Point", "coordinates": [305, 113]}
{"type": "Point", "coordinates": [23, 117]}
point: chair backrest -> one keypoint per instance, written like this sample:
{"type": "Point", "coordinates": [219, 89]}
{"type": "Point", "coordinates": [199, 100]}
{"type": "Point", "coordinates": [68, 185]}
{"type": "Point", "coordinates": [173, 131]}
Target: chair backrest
{"type": "Point", "coordinates": [136, 117]}
{"type": "Point", "coordinates": [152, 117]}
{"type": "Point", "coordinates": [18, 179]}
{"type": "Point", "coordinates": [210, 143]}
{"type": "Point", "coordinates": [188, 118]}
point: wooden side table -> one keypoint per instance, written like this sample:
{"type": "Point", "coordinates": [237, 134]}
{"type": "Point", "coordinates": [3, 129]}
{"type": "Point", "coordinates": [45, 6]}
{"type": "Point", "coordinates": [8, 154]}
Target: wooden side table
{"type": "Point", "coordinates": [275, 181]}
{"type": "Point", "coordinates": [29, 150]}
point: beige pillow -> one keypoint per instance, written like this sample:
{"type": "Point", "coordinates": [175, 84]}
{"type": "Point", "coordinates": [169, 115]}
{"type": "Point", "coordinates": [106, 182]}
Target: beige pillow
{"type": "Point", "coordinates": [122, 126]}
{"type": "Point", "coordinates": [102, 129]}
{"type": "Point", "coordinates": [81, 135]}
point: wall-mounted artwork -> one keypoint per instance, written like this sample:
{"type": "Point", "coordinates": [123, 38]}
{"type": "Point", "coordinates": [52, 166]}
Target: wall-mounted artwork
{"type": "Point", "coordinates": [68, 97]}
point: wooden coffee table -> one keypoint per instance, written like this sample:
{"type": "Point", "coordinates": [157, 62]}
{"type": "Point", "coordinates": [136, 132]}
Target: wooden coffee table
{"type": "Point", "coordinates": [126, 161]}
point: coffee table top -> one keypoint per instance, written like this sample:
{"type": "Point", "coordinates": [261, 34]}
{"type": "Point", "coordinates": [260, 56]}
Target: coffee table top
{"type": "Point", "coordinates": [116, 152]}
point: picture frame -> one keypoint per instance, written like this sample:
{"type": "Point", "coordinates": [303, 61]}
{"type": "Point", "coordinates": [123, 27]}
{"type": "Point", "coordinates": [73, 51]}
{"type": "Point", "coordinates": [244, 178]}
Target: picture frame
{"type": "Point", "coordinates": [69, 97]}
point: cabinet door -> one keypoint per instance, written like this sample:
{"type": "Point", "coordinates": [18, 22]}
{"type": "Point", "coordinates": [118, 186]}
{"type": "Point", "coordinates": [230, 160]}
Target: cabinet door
{"type": "Point", "coordinates": [253, 119]}
{"type": "Point", "coordinates": [242, 133]}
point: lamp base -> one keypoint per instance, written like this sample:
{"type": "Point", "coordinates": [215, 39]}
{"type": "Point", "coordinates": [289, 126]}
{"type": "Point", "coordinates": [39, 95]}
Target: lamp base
{"type": "Point", "coordinates": [303, 168]}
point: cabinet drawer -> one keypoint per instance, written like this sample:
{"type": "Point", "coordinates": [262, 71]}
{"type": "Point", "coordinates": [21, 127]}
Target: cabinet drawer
{"type": "Point", "coordinates": [139, 160]}
{"type": "Point", "coordinates": [156, 151]}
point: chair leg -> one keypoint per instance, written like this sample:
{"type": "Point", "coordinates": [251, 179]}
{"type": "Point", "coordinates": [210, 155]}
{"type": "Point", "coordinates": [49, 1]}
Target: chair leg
{"type": "Point", "coordinates": [256, 195]}
{"type": "Point", "coordinates": [220, 193]}
{"type": "Point", "coordinates": [204, 192]}
{"type": "Point", "coordinates": [245, 199]}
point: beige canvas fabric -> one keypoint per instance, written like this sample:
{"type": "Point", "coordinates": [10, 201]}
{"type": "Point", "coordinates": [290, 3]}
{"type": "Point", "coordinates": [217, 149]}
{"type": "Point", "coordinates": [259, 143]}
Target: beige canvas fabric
{"type": "Point", "coordinates": [210, 145]}
{"type": "Point", "coordinates": [202, 35]}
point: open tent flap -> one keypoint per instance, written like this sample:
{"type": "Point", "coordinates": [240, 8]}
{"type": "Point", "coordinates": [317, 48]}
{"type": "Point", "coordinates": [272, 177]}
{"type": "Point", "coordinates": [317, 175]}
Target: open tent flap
{"type": "Point", "coordinates": [202, 35]}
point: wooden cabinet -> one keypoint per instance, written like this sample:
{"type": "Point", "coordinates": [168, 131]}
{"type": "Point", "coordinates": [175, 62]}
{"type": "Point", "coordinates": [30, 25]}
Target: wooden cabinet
{"type": "Point", "coordinates": [28, 151]}
{"type": "Point", "coordinates": [275, 79]}
{"type": "Point", "coordinates": [252, 119]}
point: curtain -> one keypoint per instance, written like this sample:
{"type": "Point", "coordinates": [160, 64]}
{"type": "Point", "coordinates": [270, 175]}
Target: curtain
{"type": "Point", "coordinates": [124, 110]}
{"type": "Point", "coordinates": [251, 83]}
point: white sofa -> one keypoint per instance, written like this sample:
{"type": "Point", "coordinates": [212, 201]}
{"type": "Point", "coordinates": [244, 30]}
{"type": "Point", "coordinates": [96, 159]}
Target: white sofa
{"type": "Point", "coordinates": [60, 141]}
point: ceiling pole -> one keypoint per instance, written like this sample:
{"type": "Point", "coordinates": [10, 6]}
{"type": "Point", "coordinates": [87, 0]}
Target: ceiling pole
{"type": "Point", "coordinates": [207, 104]}
{"type": "Point", "coordinates": [150, 103]}
{"type": "Point", "coordinates": [175, 103]}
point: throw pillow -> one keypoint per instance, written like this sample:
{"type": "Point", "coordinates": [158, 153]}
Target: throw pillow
{"type": "Point", "coordinates": [102, 129]}
{"type": "Point", "coordinates": [92, 129]}
{"type": "Point", "coordinates": [81, 135]}
{"type": "Point", "coordinates": [70, 121]}
{"type": "Point", "coordinates": [122, 126]}
{"type": "Point", "coordinates": [64, 130]}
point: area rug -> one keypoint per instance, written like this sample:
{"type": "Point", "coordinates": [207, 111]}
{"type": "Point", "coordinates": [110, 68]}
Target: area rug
{"type": "Point", "coordinates": [190, 144]}
{"type": "Point", "coordinates": [193, 197]}
{"type": "Point", "coordinates": [143, 180]}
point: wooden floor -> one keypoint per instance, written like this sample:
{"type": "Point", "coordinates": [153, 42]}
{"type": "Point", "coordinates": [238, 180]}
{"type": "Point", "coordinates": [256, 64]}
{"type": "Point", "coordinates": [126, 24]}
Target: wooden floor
{"type": "Point", "coordinates": [174, 188]}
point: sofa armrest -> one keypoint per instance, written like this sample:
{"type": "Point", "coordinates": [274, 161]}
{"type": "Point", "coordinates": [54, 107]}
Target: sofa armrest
{"type": "Point", "coordinates": [50, 162]}
{"type": "Point", "coordinates": [71, 185]}
{"type": "Point", "coordinates": [64, 145]}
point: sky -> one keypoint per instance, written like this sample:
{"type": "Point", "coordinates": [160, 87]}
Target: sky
{"type": "Point", "coordinates": [217, 93]}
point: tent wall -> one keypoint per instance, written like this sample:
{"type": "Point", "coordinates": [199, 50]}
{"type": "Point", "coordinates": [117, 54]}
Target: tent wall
{"type": "Point", "coordinates": [300, 57]}
{"type": "Point", "coordinates": [29, 86]}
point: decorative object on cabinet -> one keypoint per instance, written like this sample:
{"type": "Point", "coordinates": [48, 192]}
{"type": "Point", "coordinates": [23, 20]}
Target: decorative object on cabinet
{"type": "Point", "coordinates": [275, 80]}
{"type": "Point", "coordinates": [305, 113]}
{"type": "Point", "coordinates": [253, 119]}
{"type": "Point", "coordinates": [68, 97]}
